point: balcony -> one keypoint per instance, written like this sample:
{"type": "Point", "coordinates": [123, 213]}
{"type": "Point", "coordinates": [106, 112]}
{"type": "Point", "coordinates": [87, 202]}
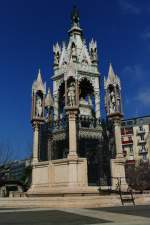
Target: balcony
{"type": "Point", "coordinates": [128, 142]}
{"type": "Point", "coordinates": [143, 151]}
{"type": "Point", "coordinates": [140, 131]}
{"type": "Point", "coordinates": [130, 162]}
{"type": "Point", "coordinates": [141, 142]}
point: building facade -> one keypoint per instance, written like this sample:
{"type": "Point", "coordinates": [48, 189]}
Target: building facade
{"type": "Point", "coordinates": [135, 134]}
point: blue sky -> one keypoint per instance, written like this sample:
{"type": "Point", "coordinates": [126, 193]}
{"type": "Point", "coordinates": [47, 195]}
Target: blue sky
{"type": "Point", "coordinates": [28, 30]}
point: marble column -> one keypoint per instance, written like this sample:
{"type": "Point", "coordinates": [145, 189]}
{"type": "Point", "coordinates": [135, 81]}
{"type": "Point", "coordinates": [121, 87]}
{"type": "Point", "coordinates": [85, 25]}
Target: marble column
{"type": "Point", "coordinates": [72, 133]}
{"type": "Point", "coordinates": [66, 94]}
{"type": "Point", "coordinates": [35, 142]}
{"type": "Point", "coordinates": [117, 125]}
{"type": "Point", "coordinates": [56, 107]}
{"type": "Point", "coordinates": [97, 105]}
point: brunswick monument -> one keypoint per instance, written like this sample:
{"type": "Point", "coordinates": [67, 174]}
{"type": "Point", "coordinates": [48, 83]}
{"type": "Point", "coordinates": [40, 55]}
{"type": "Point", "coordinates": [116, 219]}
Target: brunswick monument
{"type": "Point", "coordinates": [68, 143]}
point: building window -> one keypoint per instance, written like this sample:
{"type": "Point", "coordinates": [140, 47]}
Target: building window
{"type": "Point", "coordinates": [131, 149]}
{"type": "Point", "coordinates": [144, 157]}
{"type": "Point", "coordinates": [142, 137]}
{"type": "Point", "coordinates": [130, 138]}
{"type": "Point", "coordinates": [130, 122]}
{"type": "Point", "coordinates": [122, 131]}
{"type": "Point", "coordinates": [123, 123]}
{"type": "Point", "coordinates": [129, 130]}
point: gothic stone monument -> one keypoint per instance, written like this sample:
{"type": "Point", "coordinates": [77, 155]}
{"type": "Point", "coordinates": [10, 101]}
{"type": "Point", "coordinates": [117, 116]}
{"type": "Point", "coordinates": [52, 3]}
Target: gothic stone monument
{"type": "Point", "coordinates": [67, 132]}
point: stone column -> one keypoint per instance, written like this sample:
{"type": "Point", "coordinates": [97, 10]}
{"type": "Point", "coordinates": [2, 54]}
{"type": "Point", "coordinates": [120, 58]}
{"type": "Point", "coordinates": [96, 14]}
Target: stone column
{"type": "Point", "coordinates": [117, 132]}
{"type": "Point", "coordinates": [35, 142]}
{"type": "Point", "coordinates": [72, 113]}
{"type": "Point", "coordinates": [97, 105]}
{"type": "Point", "coordinates": [118, 164]}
{"type": "Point", "coordinates": [66, 94]}
{"type": "Point", "coordinates": [56, 107]}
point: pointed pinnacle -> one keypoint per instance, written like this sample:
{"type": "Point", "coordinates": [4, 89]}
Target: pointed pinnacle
{"type": "Point", "coordinates": [111, 73]}
{"type": "Point", "coordinates": [39, 77]}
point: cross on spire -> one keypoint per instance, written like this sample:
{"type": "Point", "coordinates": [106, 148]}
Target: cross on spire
{"type": "Point", "coordinates": [75, 16]}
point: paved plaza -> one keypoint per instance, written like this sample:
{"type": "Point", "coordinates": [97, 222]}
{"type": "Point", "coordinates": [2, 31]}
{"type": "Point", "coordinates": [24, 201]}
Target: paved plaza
{"type": "Point", "coordinates": [113, 215]}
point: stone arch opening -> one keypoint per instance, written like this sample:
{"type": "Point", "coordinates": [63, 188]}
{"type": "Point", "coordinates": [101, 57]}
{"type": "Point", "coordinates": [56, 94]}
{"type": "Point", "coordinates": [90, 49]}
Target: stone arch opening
{"type": "Point", "coordinates": [86, 98]}
{"type": "Point", "coordinates": [61, 99]}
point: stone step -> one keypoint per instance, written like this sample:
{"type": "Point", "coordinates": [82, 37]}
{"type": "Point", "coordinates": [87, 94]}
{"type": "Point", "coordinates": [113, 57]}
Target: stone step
{"type": "Point", "coordinates": [59, 202]}
{"type": "Point", "coordinates": [69, 201]}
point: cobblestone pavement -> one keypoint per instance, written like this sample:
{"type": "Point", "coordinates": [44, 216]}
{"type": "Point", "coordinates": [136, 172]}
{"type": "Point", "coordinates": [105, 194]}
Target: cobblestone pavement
{"type": "Point", "coordinates": [140, 215]}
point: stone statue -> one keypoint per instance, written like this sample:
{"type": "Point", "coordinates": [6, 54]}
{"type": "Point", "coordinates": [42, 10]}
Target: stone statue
{"type": "Point", "coordinates": [39, 107]}
{"type": "Point", "coordinates": [112, 102]}
{"type": "Point", "coordinates": [118, 101]}
{"type": "Point", "coordinates": [118, 104]}
{"type": "Point", "coordinates": [71, 94]}
{"type": "Point", "coordinates": [57, 52]}
{"type": "Point", "coordinates": [73, 51]}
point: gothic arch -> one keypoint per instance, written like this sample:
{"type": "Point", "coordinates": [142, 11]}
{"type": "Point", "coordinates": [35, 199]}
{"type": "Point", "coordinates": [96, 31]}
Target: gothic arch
{"type": "Point", "coordinates": [86, 78]}
{"type": "Point", "coordinates": [86, 87]}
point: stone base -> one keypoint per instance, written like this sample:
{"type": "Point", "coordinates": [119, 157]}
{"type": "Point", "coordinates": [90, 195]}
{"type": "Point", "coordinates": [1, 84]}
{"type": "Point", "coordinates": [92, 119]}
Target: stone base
{"type": "Point", "coordinates": [63, 192]}
{"type": "Point", "coordinates": [59, 176]}
{"type": "Point", "coordinates": [118, 173]}
{"type": "Point", "coordinates": [70, 202]}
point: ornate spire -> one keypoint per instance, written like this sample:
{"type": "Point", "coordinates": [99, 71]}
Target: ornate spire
{"type": "Point", "coordinates": [75, 29]}
{"type": "Point", "coordinates": [75, 17]}
{"type": "Point", "coordinates": [112, 79]}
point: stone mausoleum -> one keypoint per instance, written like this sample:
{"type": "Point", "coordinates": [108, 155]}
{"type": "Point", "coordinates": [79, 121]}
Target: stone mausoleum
{"type": "Point", "coordinates": [69, 151]}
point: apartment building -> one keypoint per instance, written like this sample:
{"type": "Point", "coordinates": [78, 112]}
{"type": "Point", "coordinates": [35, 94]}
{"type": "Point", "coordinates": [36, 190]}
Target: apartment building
{"type": "Point", "coordinates": [135, 135]}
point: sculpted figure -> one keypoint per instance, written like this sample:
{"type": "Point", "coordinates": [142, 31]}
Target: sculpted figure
{"type": "Point", "coordinates": [118, 101]}
{"type": "Point", "coordinates": [73, 51]}
{"type": "Point", "coordinates": [118, 104]}
{"type": "Point", "coordinates": [39, 107]}
{"type": "Point", "coordinates": [112, 102]}
{"type": "Point", "coordinates": [71, 94]}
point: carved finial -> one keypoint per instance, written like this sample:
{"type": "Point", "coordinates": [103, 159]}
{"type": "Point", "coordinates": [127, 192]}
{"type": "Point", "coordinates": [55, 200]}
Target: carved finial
{"type": "Point", "coordinates": [57, 54]}
{"type": "Point", "coordinates": [93, 51]}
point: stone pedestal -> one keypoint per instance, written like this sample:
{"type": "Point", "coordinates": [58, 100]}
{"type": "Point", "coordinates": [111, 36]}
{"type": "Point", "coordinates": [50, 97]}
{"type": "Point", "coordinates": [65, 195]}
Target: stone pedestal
{"type": "Point", "coordinates": [118, 174]}
{"type": "Point", "coordinates": [59, 176]}
{"type": "Point", "coordinates": [68, 175]}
